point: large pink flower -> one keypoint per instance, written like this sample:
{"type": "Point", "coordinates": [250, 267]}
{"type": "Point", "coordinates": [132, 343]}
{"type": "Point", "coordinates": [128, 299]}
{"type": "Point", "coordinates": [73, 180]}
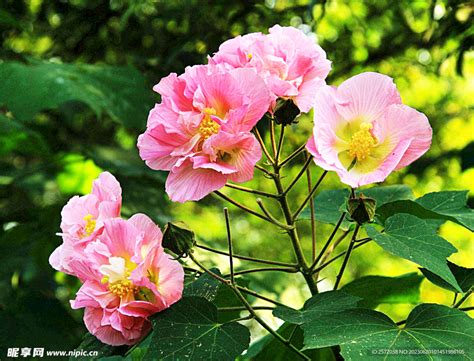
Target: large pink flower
{"type": "Point", "coordinates": [290, 62]}
{"type": "Point", "coordinates": [200, 132]}
{"type": "Point", "coordinates": [128, 277]}
{"type": "Point", "coordinates": [363, 131]}
{"type": "Point", "coordinates": [83, 217]}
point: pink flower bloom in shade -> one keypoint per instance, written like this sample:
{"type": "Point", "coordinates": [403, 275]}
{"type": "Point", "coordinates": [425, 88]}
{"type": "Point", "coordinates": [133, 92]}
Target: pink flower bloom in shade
{"type": "Point", "coordinates": [83, 217]}
{"type": "Point", "coordinates": [290, 62]}
{"type": "Point", "coordinates": [363, 132]}
{"type": "Point", "coordinates": [201, 130]}
{"type": "Point", "coordinates": [128, 277]}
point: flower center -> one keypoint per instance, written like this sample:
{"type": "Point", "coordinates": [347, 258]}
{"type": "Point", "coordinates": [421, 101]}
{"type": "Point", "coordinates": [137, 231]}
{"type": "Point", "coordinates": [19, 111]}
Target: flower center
{"type": "Point", "coordinates": [117, 274]}
{"type": "Point", "coordinates": [362, 142]}
{"type": "Point", "coordinates": [208, 126]}
{"type": "Point", "coordinates": [90, 225]}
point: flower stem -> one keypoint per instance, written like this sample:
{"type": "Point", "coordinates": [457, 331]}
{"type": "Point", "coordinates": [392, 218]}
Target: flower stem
{"type": "Point", "coordinates": [247, 258]}
{"type": "Point", "coordinates": [292, 156]}
{"type": "Point", "coordinates": [262, 144]}
{"type": "Point", "coordinates": [250, 190]}
{"type": "Point", "coordinates": [241, 206]}
{"type": "Point", "coordinates": [328, 242]}
{"type": "Point", "coordinates": [310, 195]}
{"type": "Point", "coordinates": [298, 176]}
{"type": "Point", "coordinates": [312, 215]}
{"type": "Point", "coordinates": [346, 258]}
{"type": "Point", "coordinates": [266, 269]}
{"type": "Point", "coordinates": [293, 234]}
{"type": "Point", "coordinates": [464, 298]}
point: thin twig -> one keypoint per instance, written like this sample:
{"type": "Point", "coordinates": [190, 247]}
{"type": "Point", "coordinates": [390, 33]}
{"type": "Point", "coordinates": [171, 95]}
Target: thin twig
{"type": "Point", "coordinates": [241, 206]}
{"type": "Point", "coordinates": [298, 176]}
{"type": "Point", "coordinates": [229, 243]}
{"type": "Point", "coordinates": [312, 216]}
{"type": "Point", "coordinates": [292, 155]}
{"type": "Point", "coordinates": [247, 258]}
{"type": "Point", "coordinates": [272, 137]}
{"type": "Point", "coordinates": [270, 216]}
{"type": "Point", "coordinates": [264, 170]}
{"type": "Point", "coordinates": [324, 265]}
{"type": "Point", "coordinates": [240, 308]}
{"type": "Point", "coordinates": [250, 190]}
{"type": "Point", "coordinates": [266, 269]}
{"type": "Point", "coordinates": [346, 258]}
{"type": "Point", "coordinates": [328, 242]}
{"type": "Point", "coordinates": [464, 298]}
{"type": "Point", "coordinates": [262, 145]}
{"type": "Point", "coordinates": [262, 323]}
{"type": "Point", "coordinates": [280, 143]}
{"type": "Point", "coordinates": [310, 195]}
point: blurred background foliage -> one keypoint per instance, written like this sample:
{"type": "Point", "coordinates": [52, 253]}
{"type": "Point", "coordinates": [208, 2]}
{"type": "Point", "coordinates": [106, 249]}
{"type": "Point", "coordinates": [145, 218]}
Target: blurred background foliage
{"type": "Point", "coordinates": [75, 89]}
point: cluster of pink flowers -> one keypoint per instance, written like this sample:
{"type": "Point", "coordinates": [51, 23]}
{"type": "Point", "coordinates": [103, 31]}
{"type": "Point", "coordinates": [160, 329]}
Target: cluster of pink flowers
{"type": "Point", "coordinates": [125, 272]}
{"type": "Point", "coordinates": [201, 130]}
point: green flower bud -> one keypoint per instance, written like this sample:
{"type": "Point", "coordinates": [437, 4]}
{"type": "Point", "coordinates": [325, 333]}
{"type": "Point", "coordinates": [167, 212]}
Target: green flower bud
{"type": "Point", "coordinates": [361, 209]}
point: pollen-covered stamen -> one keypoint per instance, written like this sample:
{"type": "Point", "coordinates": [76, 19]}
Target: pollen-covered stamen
{"type": "Point", "coordinates": [123, 288]}
{"type": "Point", "coordinates": [362, 142]}
{"type": "Point", "coordinates": [208, 126]}
{"type": "Point", "coordinates": [90, 225]}
{"type": "Point", "coordinates": [116, 275]}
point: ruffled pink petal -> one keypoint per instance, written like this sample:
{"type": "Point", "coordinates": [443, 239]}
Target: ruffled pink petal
{"type": "Point", "coordinates": [403, 122]}
{"type": "Point", "coordinates": [187, 184]}
{"type": "Point", "coordinates": [107, 188]}
{"type": "Point", "coordinates": [366, 96]}
{"type": "Point", "coordinates": [170, 279]}
{"type": "Point", "coordinates": [173, 88]}
{"type": "Point", "coordinates": [152, 236]}
{"type": "Point", "coordinates": [306, 98]}
{"type": "Point", "coordinates": [94, 294]}
{"type": "Point", "coordinates": [120, 237]}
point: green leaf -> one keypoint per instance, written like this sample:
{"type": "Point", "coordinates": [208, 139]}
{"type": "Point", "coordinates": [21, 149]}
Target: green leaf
{"type": "Point", "coordinates": [322, 304]}
{"type": "Point", "coordinates": [362, 333]}
{"type": "Point", "coordinates": [375, 290]}
{"type": "Point", "coordinates": [464, 276]}
{"type": "Point", "coordinates": [447, 206]}
{"type": "Point", "coordinates": [328, 203]}
{"type": "Point", "coordinates": [416, 240]}
{"type": "Point", "coordinates": [451, 204]}
{"type": "Point", "coordinates": [91, 343]}
{"type": "Point", "coordinates": [269, 348]}
{"type": "Point", "coordinates": [15, 137]}
{"type": "Point", "coordinates": [216, 292]}
{"type": "Point", "coordinates": [189, 330]}
{"type": "Point", "coordinates": [118, 91]}
{"type": "Point", "coordinates": [205, 286]}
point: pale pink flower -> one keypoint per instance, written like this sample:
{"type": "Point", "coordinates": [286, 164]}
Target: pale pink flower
{"type": "Point", "coordinates": [363, 132]}
{"type": "Point", "coordinates": [128, 277]}
{"type": "Point", "coordinates": [200, 132]}
{"type": "Point", "coordinates": [292, 64]}
{"type": "Point", "coordinates": [83, 217]}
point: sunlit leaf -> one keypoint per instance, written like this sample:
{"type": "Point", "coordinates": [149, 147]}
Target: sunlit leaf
{"type": "Point", "coordinates": [416, 240]}
{"type": "Point", "coordinates": [464, 276]}
{"type": "Point", "coordinates": [362, 333]}
{"type": "Point", "coordinates": [375, 290]}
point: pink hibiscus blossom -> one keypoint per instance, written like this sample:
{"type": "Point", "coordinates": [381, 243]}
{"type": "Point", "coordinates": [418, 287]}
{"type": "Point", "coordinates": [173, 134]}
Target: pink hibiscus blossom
{"type": "Point", "coordinates": [83, 217]}
{"type": "Point", "coordinates": [290, 62]}
{"type": "Point", "coordinates": [363, 132]}
{"type": "Point", "coordinates": [128, 277]}
{"type": "Point", "coordinates": [200, 132]}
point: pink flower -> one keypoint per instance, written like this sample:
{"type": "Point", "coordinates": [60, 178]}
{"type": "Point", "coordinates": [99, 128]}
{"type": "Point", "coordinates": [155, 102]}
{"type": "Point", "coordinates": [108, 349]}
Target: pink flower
{"type": "Point", "coordinates": [128, 277]}
{"type": "Point", "coordinates": [363, 132]}
{"type": "Point", "coordinates": [291, 64]}
{"type": "Point", "coordinates": [201, 130]}
{"type": "Point", "coordinates": [83, 217]}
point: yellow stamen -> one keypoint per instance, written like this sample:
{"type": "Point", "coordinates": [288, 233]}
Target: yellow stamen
{"type": "Point", "coordinates": [208, 126]}
{"type": "Point", "coordinates": [90, 225]}
{"type": "Point", "coordinates": [249, 56]}
{"type": "Point", "coordinates": [362, 142]}
{"type": "Point", "coordinates": [122, 288]}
